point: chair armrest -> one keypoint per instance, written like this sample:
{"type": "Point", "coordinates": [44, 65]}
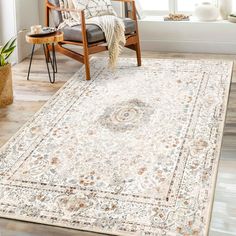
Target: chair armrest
{"type": "Point", "coordinates": [55, 8]}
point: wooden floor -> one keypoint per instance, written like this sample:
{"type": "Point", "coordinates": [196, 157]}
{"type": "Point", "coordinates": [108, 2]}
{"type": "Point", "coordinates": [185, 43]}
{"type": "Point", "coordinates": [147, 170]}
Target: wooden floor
{"type": "Point", "coordinates": [31, 95]}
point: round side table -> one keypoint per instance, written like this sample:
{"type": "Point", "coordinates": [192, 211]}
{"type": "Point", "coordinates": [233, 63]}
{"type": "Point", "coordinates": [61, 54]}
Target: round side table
{"type": "Point", "coordinates": [46, 41]}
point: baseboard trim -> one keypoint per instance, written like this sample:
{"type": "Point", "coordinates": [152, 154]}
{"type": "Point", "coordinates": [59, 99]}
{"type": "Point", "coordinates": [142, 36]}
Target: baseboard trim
{"type": "Point", "coordinates": [189, 46]}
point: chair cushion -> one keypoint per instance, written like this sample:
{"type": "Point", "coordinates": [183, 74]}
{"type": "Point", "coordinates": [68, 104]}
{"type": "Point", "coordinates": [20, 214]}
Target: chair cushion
{"type": "Point", "coordinates": [56, 15]}
{"type": "Point", "coordinates": [94, 33]}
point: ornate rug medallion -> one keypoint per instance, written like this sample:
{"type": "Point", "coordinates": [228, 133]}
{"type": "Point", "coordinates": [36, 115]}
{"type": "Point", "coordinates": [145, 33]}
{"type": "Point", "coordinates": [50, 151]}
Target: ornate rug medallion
{"type": "Point", "coordinates": [134, 151]}
{"type": "Point", "coordinates": [126, 116]}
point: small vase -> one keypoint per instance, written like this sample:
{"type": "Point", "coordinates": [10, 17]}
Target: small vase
{"type": "Point", "coordinates": [6, 91]}
{"type": "Point", "coordinates": [225, 8]}
{"type": "Point", "coordinates": [206, 11]}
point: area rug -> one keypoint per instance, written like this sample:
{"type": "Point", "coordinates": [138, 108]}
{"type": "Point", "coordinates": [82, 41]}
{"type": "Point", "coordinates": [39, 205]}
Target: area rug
{"type": "Point", "coordinates": [134, 151]}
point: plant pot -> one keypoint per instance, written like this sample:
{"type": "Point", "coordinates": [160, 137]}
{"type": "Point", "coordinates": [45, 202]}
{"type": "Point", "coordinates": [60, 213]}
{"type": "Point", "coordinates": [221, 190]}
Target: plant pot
{"type": "Point", "coordinates": [6, 91]}
{"type": "Point", "coordinates": [206, 11]}
{"type": "Point", "coordinates": [226, 7]}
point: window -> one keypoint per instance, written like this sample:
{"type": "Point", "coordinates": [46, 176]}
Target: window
{"type": "Point", "coordinates": [154, 7]}
{"type": "Point", "coordinates": [186, 5]}
{"type": "Point", "coordinates": [161, 7]}
{"type": "Point", "coordinates": [234, 7]}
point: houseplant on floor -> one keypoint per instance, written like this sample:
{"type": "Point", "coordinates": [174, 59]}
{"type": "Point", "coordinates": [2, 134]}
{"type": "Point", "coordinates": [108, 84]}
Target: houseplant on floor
{"type": "Point", "coordinates": [6, 91]}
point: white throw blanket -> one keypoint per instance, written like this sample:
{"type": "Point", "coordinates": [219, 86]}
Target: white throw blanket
{"type": "Point", "coordinates": [112, 26]}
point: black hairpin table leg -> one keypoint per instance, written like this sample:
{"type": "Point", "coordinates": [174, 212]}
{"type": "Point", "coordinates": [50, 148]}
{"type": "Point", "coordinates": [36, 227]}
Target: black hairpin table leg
{"type": "Point", "coordinates": [54, 57]}
{"type": "Point", "coordinates": [52, 61]}
{"type": "Point", "coordinates": [31, 58]}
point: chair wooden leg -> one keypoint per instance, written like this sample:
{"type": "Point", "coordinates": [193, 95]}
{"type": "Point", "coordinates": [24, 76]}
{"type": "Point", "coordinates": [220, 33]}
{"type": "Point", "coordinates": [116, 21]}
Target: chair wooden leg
{"type": "Point", "coordinates": [137, 45]}
{"type": "Point", "coordinates": [138, 54]}
{"type": "Point", "coordinates": [85, 46]}
{"type": "Point", "coordinates": [87, 65]}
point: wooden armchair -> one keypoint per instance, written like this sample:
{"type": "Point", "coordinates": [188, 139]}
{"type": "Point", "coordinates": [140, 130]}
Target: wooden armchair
{"type": "Point", "coordinates": [90, 37]}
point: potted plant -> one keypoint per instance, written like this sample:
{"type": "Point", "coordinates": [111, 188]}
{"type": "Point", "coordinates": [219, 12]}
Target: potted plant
{"type": "Point", "coordinates": [6, 91]}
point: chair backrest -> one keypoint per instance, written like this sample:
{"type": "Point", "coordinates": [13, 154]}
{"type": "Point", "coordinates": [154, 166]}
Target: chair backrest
{"type": "Point", "coordinates": [56, 15]}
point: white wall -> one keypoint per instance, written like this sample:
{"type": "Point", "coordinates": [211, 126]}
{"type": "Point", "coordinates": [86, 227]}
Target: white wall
{"type": "Point", "coordinates": [0, 25]}
{"type": "Point", "coordinates": [200, 37]}
{"type": "Point", "coordinates": [42, 14]}
{"type": "Point", "coordinates": [16, 15]}
{"type": "Point", "coordinates": [8, 23]}
{"type": "Point", "coordinates": [27, 14]}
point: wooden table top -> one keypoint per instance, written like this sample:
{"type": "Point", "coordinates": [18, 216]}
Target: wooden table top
{"type": "Point", "coordinates": [52, 38]}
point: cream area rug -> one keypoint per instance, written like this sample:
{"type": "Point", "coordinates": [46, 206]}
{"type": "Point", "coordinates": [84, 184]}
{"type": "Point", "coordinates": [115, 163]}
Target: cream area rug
{"type": "Point", "coordinates": [134, 151]}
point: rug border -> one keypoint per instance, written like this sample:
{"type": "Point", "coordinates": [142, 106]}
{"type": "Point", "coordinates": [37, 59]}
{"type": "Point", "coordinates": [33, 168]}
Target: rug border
{"type": "Point", "coordinates": [214, 175]}
{"type": "Point", "coordinates": [218, 157]}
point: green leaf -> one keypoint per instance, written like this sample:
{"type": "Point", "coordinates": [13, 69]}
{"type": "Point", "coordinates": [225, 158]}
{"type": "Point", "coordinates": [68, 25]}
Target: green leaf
{"type": "Point", "coordinates": [9, 55]}
{"type": "Point", "coordinates": [6, 46]}
{"type": "Point", "coordinates": [9, 50]}
{"type": "Point", "coordinates": [13, 43]}
{"type": "Point", "coordinates": [2, 61]}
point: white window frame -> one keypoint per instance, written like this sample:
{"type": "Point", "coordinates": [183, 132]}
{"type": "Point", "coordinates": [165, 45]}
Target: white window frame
{"type": "Point", "coordinates": [173, 8]}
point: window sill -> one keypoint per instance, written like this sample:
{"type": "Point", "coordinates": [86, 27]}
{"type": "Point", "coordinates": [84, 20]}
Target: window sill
{"type": "Point", "coordinates": [192, 20]}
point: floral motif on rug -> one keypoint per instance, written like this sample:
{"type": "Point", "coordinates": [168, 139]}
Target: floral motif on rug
{"type": "Point", "coordinates": [126, 115]}
{"type": "Point", "coordinates": [134, 151]}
